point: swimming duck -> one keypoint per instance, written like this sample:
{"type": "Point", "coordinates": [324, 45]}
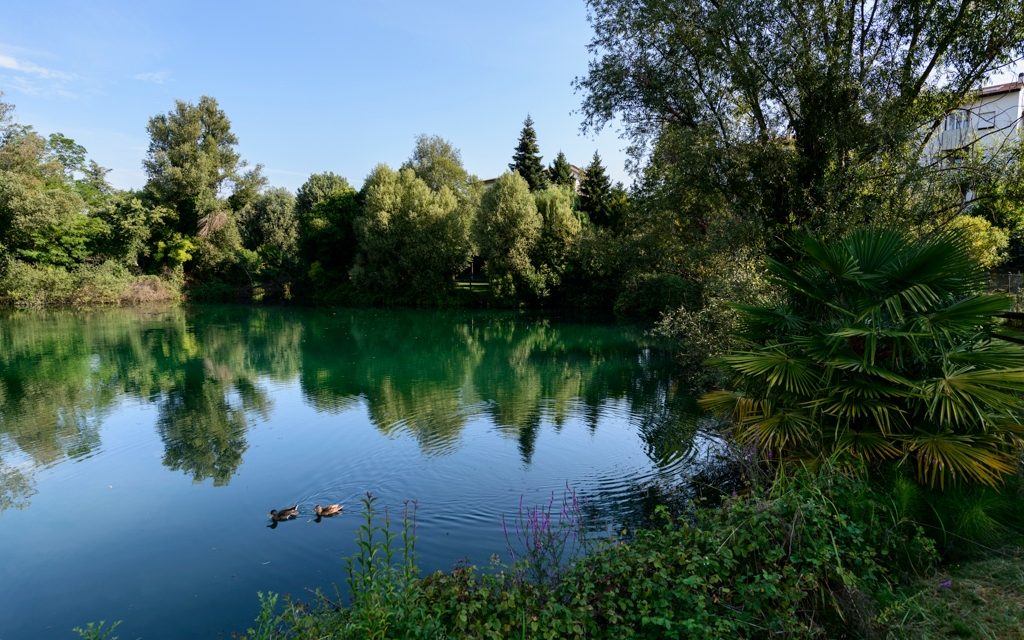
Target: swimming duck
{"type": "Point", "coordinates": [328, 511]}
{"type": "Point", "coordinates": [288, 513]}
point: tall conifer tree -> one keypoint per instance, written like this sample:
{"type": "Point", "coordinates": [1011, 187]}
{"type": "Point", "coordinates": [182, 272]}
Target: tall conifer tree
{"type": "Point", "coordinates": [561, 172]}
{"type": "Point", "coordinates": [527, 159]}
{"type": "Point", "coordinates": [596, 193]}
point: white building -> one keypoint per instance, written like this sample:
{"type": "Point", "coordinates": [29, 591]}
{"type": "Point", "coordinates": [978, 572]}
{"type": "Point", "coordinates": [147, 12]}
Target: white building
{"type": "Point", "coordinates": [992, 120]}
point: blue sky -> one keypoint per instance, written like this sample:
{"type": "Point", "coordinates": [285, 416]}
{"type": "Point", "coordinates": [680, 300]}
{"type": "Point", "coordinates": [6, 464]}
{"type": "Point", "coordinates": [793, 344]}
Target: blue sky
{"type": "Point", "coordinates": [309, 86]}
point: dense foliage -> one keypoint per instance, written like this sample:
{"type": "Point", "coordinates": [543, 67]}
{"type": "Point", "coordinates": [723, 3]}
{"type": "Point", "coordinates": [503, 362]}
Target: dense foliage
{"type": "Point", "coordinates": [811, 558]}
{"type": "Point", "coordinates": [753, 123]}
{"type": "Point", "coordinates": [413, 240]}
{"type": "Point", "coordinates": [65, 237]}
{"type": "Point", "coordinates": [882, 350]}
{"type": "Point", "coordinates": [206, 224]}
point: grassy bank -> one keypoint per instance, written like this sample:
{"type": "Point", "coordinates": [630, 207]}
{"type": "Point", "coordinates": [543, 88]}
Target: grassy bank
{"type": "Point", "coordinates": [981, 598]}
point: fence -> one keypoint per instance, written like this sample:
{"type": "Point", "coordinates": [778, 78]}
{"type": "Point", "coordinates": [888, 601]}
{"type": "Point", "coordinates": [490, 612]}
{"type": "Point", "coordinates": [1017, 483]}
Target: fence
{"type": "Point", "coordinates": [1008, 282]}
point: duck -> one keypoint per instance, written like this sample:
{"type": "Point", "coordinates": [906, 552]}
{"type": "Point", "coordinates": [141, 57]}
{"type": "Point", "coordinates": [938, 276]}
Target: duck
{"type": "Point", "coordinates": [288, 513]}
{"type": "Point", "coordinates": [327, 511]}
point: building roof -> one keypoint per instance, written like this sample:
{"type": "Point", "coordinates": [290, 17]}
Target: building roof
{"type": "Point", "coordinates": [576, 172]}
{"type": "Point", "coordinates": [997, 89]}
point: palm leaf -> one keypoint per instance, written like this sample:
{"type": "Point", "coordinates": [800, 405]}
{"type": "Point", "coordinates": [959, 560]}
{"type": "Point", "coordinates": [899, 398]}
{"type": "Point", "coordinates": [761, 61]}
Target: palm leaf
{"type": "Point", "coordinates": [834, 259]}
{"type": "Point", "coordinates": [850, 363]}
{"type": "Point", "coordinates": [875, 250]}
{"type": "Point", "coordinates": [776, 368]}
{"type": "Point", "coordinates": [948, 457]}
{"type": "Point", "coordinates": [884, 416]}
{"type": "Point", "coordinates": [778, 431]}
{"type": "Point", "coordinates": [868, 445]}
{"type": "Point", "coordinates": [989, 355]}
{"type": "Point", "coordinates": [759, 320]}
{"type": "Point", "coordinates": [966, 315]}
{"type": "Point", "coordinates": [964, 396]}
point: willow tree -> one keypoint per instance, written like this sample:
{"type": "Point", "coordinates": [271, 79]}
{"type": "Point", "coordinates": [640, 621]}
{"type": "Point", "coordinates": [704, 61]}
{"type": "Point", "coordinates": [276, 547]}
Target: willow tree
{"type": "Point", "coordinates": [438, 162]}
{"type": "Point", "coordinates": [413, 241]}
{"type": "Point", "coordinates": [506, 230]}
{"type": "Point", "coordinates": [804, 114]}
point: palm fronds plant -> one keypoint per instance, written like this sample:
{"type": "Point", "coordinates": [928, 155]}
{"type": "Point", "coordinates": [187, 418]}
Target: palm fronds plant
{"type": "Point", "coordinates": [884, 353]}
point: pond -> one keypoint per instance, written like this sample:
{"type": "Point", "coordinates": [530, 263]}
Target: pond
{"type": "Point", "coordinates": [141, 450]}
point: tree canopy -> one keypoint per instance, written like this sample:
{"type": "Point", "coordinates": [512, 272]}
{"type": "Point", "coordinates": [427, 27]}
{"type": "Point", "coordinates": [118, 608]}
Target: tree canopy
{"type": "Point", "coordinates": [191, 159]}
{"type": "Point", "coordinates": [438, 163]}
{"type": "Point", "coordinates": [812, 96]}
{"type": "Point", "coordinates": [413, 241]}
{"type": "Point", "coordinates": [506, 230]}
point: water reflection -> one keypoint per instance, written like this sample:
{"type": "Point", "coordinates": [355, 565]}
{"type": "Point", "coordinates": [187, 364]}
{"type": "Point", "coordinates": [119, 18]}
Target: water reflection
{"type": "Point", "coordinates": [209, 372]}
{"type": "Point", "coordinates": [427, 374]}
{"type": "Point", "coordinates": [16, 487]}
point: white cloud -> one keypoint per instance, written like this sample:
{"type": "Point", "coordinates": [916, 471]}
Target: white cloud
{"type": "Point", "coordinates": [158, 77]}
{"type": "Point", "coordinates": [24, 66]}
{"type": "Point", "coordinates": [35, 87]}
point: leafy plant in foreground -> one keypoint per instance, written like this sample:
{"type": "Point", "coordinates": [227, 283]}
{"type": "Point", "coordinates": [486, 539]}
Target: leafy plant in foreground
{"type": "Point", "coordinates": [884, 352]}
{"type": "Point", "coordinates": [98, 631]}
{"type": "Point", "coordinates": [542, 539]}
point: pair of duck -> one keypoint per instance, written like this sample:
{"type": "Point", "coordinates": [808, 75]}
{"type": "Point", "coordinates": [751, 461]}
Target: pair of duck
{"type": "Point", "coordinates": [292, 512]}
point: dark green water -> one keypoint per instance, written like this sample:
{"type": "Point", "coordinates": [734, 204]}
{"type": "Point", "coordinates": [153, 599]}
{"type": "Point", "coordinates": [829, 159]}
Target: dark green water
{"type": "Point", "coordinates": [140, 451]}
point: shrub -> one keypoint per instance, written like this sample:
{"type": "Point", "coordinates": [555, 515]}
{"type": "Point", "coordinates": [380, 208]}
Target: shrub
{"type": "Point", "coordinates": [883, 352]}
{"type": "Point", "coordinates": [108, 283]}
{"type": "Point", "coordinates": [650, 295]}
{"type": "Point", "coordinates": [26, 285]}
{"type": "Point", "coordinates": [104, 284]}
{"type": "Point", "coordinates": [704, 329]}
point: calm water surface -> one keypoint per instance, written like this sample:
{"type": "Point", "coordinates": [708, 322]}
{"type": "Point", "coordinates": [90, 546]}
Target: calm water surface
{"type": "Point", "coordinates": [141, 450]}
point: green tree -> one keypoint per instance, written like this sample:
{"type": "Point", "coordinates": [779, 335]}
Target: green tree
{"type": "Point", "coordinates": [884, 353]}
{"type": "Point", "coordinates": [559, 234]}
{"type": "Point", "coordinates": [438, 163]}
{"type": "Point", "coordinates": [506, 230]}
{"type": "Point", "coordinates": [270, 227]}
{"type": "Point", "coordinates": [318, 188]}
{"type": "Point", "coordinates": [93, 185]}
{"type": "Point", "coordinates": [23, 151]}
{"type": "Point", "coordinates": [43, 217]}
{"type": "Point", "coordinates": [327, 207]}
{"type": "Point", "coordinates": [66, 154]}
{"type": "Point", "coordinates": [413, 241]}
{"type": "Point", "coordinates": [561, 173]}
{"type": "Point", "coordinates": [812, 113]}
{"type": "Point", "coordinates": [527, 159]}
{"type": "Point", "coordinates": [129, 224]}
{"type": "Point", "coordinates": [42, 224]}
{"type": "Point", "coordinates": [247, 189]}
{"type": "Point", "coordinates": [191, 159]}
{"type": "Point", "coordinates": [596, 193]}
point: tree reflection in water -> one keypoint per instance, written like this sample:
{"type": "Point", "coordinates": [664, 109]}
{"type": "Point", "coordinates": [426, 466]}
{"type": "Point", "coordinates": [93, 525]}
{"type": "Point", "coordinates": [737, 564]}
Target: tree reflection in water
{"type": "Point", "coordinates": [422, 374]}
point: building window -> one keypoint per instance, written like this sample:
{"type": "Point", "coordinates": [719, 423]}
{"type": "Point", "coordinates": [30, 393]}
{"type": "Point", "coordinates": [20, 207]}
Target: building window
{"type": "Point", "coordinates": [986, 120]}
{"type": "Point", "coordinates": [956, 121]}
